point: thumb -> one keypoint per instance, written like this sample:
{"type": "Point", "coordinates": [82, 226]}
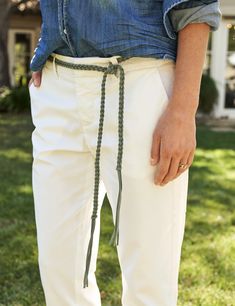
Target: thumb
{"type": "Point", "coordinates": [37, 76]}
{"type": "Point", "coordinates": [155, 150]}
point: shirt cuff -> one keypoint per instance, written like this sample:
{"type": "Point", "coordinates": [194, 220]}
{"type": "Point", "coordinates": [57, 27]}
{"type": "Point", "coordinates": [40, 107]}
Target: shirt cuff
{"type": "Point", "coordinates": [169, 5]}
{"type": "Point", "coordinates": [209, 14]}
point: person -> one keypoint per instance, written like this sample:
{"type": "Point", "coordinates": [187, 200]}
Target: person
{"type": "Point", "coordinates": [114, 93]}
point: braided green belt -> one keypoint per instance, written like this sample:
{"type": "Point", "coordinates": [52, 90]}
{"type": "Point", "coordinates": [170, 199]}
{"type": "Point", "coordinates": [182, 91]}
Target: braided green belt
{"type": "Point", "coordinates": [111, 69]}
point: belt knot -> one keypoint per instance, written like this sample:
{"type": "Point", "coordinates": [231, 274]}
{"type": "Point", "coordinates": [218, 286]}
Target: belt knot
{"type": "Point", "coordinates": [112, 69]}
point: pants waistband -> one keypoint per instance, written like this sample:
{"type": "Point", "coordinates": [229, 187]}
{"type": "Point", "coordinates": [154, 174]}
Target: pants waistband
{"type": "Point", "coordinates": [130, 64]}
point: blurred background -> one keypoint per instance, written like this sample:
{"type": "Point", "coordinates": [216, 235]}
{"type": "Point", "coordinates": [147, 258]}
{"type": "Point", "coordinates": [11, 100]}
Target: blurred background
{"type": "Point", "coordinates": [207, 273]}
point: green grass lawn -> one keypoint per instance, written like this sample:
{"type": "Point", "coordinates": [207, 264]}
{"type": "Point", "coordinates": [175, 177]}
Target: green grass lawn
{"type": "Point", "coordinates": [207, 274]}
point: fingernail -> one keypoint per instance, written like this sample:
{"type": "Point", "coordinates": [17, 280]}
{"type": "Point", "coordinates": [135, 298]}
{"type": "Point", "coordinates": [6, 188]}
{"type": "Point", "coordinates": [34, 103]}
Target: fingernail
{"type": "Point", "coordinates": [152, 161]}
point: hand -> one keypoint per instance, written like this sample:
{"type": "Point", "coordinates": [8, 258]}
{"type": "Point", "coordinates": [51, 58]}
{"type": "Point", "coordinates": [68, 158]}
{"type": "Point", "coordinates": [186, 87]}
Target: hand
{"type": "Point", "coordinates": [174, 141]}
{"type": "Point", "coordinates": [36, 78]}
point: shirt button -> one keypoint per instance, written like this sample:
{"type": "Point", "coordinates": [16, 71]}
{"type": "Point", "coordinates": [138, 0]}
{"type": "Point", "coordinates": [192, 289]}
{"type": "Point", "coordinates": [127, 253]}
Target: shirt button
{"type": "Point", "coordinates": [65, 32]}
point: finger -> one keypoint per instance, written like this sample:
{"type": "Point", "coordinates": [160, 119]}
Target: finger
{"type": "Point", "coordinates": [173, 170]}
{"type": "Point", "coordinates": [189, 162]}
{"type": "Point", "coordinates": [162, 166]}
{"type": "Point", "coordinates": [190, 158]}
{"type": "Point", "coordinates": [182, 169]}
{"type": "Point", "coordinates": [37, 76]}
{"type": "Point", "coordinates": [155, 150]}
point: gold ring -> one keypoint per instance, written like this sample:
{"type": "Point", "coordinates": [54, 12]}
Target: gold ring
{"type": "Point", "coordinates": [183, 166]}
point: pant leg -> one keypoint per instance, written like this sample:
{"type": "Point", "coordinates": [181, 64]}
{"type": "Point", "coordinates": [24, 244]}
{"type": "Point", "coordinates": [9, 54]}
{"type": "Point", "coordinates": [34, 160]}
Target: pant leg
{"type": "Point", "coordinates": [152, 217]}
{"type": "Point", "coordinates": [63, 177]}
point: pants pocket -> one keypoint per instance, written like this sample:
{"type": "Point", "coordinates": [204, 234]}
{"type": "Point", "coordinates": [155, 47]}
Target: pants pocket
{"type": "Point", "coordinates": [145, 102]}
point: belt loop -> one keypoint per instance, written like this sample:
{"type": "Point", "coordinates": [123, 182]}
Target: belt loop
{"type": "Point", "coordinates": [114, 59]}
{"type": "Point", "coordinates": [55, 67]}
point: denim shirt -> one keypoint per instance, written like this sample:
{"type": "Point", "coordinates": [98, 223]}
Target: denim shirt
{"type": "Point", "coordinates": [117, 27]}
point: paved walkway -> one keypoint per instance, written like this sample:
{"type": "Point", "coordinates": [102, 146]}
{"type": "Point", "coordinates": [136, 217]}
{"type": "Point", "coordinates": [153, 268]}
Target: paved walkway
{"type": "Point", "coordinates": [217, 124]}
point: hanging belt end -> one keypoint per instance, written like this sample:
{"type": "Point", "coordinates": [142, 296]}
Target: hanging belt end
{"type": "Point", "coordinates": [115, 238]}
{"type": "Point", "coordinates": [85, 282]}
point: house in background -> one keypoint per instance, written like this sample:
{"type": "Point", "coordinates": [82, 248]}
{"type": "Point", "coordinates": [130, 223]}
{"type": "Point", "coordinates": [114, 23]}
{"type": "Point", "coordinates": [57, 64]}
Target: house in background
{"type": "Point", "coordinates": [24, 31]}
{"type": "Point", "coordinates": [220, 61]}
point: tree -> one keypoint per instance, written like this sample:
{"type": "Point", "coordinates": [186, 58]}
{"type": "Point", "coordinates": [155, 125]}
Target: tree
{"type": "Point", "coordinates": [4, 23]}
{"type": "Point", "coordinates": [6, 7]}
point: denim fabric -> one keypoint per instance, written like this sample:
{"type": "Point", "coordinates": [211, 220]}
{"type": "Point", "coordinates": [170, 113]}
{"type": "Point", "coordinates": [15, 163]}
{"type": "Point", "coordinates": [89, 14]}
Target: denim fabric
{"type": "Point", "coordinates": [210, 14]}
{"type": "Point", "coordinates": [108, 27]}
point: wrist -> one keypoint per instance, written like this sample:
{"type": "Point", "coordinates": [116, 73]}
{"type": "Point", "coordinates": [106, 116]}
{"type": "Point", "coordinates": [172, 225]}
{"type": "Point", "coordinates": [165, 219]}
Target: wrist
{"type": "Point", "coordinates": [183, 109]}
{"type": "Point", "coordinates": [184, 103]}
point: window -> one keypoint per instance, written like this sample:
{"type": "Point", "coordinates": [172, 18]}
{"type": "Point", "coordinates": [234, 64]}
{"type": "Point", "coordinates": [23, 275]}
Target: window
{"type": "Point", "coordinates": [20, 51]}
{"type": "Point", "coordinates": [207, 63]}
{"type": "Point", "coordinates": [230, 68]}
{"type": "Point", "coordinates": [22, 57]}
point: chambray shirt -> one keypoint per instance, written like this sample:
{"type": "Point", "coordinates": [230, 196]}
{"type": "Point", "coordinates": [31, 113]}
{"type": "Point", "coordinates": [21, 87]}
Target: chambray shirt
{"type": "Point", "coordinates": [105, 28]}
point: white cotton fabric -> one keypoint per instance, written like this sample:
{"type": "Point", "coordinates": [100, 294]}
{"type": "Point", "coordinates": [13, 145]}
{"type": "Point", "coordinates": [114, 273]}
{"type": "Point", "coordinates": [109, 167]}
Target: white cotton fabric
{"type": "Point", "coordinates": [65, 112]}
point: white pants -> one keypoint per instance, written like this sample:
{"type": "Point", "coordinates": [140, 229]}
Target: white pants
{"type": "Point", "coordinates": [65, 112]}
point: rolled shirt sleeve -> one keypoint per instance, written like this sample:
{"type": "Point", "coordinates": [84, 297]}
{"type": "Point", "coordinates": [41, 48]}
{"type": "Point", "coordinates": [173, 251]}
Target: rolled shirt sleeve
{"type": "Point", "coordinates": [177, 14]}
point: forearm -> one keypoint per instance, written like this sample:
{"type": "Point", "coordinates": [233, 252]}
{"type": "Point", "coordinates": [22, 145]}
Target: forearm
{"type": "Point", "coordinates": [191, 52]}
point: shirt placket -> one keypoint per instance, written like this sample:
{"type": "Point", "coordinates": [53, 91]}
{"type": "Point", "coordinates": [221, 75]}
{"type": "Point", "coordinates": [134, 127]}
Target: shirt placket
{"type": "Point", "coordinates": [64, 26]}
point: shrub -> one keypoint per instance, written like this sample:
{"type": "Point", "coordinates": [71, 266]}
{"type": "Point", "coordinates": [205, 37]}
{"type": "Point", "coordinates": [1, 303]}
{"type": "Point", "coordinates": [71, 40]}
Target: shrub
{"type": "Point", "coordinates": [14, 100]}
{"type": "Point", "coordinates": [208, 94]}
